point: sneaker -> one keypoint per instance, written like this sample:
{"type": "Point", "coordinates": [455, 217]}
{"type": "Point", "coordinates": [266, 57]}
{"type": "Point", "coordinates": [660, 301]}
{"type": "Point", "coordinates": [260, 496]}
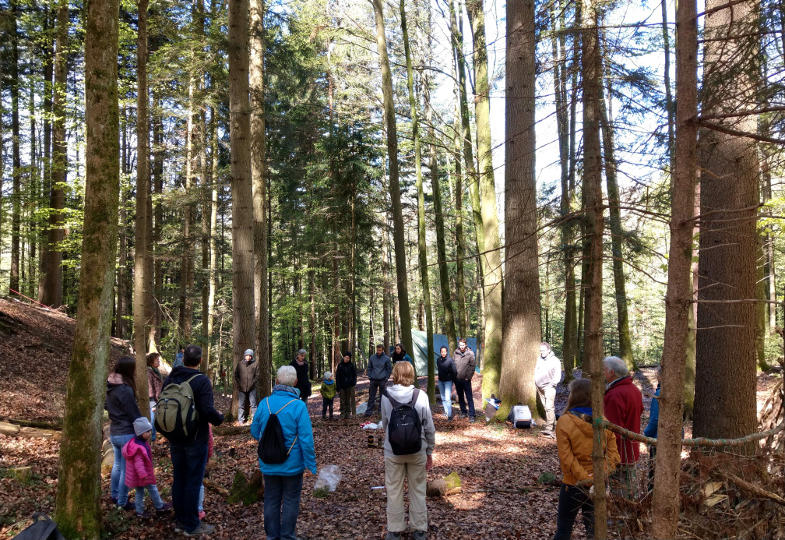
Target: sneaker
{"type": "Point", "coordinates": [548, 434]}
{"type": "Point", "coordinates": [393, 536]}
{"type": "Point", "coordinates": [201, 514]}
{"type": "Point", "coordinates": [201, 529]}
{"type": "Point", "coordinates": [178, 527]}
{"type": "Point", "coordinates": [472, 419]}
{"type": "Point", "coordinates": [165, 508]}
{"type": "Point", "coordinates": [420, 535]}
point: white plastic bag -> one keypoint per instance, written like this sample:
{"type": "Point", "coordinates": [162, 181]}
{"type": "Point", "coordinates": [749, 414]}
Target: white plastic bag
{"type": "Point", "coordinates": [329, 477]}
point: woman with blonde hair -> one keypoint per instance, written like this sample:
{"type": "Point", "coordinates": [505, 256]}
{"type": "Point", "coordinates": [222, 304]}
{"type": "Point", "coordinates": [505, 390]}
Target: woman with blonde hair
{"type": "Point", "coordinates": [407, 453]}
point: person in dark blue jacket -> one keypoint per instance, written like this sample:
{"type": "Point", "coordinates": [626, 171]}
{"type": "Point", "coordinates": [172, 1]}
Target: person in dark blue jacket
{"type": "Point", "coordinates": [283, 482]}
{"type": "Point", "coordinates": [190, 457]}
{"type": "Point", "coordinates": [447, 374]}
{"type": "Point", "coordinates": [651, 427]}
{"type": "Point", "coordinates": [123, 410]}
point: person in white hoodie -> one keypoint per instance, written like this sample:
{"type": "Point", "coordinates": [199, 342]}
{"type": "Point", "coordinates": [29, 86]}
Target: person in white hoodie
{"type": "Point", "coordinates": [410, 466]}
{"type": "Point", "coordinates": [547, 374]}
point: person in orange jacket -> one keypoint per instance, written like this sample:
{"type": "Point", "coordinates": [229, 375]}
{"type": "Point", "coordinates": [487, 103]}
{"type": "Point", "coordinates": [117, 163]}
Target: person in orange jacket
{"type": "Point", "coordinates": [574, 439]}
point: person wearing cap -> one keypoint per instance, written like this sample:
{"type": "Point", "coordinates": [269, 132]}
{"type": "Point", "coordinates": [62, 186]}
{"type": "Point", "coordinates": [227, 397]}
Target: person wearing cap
{"type": "Point", "coordinates": [300, 365]}
{"type": "Point", "coordinates": [139, 473]}
{"type": "Point", "coordinates": [345, 382]}
{"type": "Point", "coordinates": [246, 375]}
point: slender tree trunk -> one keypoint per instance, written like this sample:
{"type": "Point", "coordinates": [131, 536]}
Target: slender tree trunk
{"type": "Point", "coordinates": [77, 508]}
{"type": "Point", "coordinates": [395, 188]}
{"type": "Point", "coordinates": [158, 186]}
{"type": "Point", "coordinates": [491, 255]}
{"type": "Point", "coordinates": [593, 210]}
{"type": "Point", "coordinates": [243, 322]}
{"type": "Point", "coordinates": [617, 234]}
{"type": "Point", "coordinates": [576, 50]}
{"type": "Point", "coordinates": [16, 161]}
{"type": "Point", "coordinates": [669, 105]}
{"type": "Point", "coordinates": [258, 156]}
{"type": "Point", "coordinates": [678, 300]}
{"type": "Point", "coordinates": [521, 315]}
{"type": "Point", "coordinates": [122, 258]}
{"type": "Point", "coordinates": [141, 279]}
{"type": "Point", "coordinates": [212, 233]}
{"type": "Point", "coordinates": [186, 263]}
{"type": "Point", "coordinates": [725, 368]}
{"type": "Point", "coordinates": [460, 242]}
{"type": "Point", "coordinates": [32, 195]}
{"type": "Point", "coordinates": [558, 46]}
{"type": "Point", "coordinates": [46, 183]}
{"type": "Point", "coordinates": [422, 248]}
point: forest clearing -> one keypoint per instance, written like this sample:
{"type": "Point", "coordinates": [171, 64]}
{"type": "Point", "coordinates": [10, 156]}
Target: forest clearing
{"type": "Point", "coordinates": [228, 221]}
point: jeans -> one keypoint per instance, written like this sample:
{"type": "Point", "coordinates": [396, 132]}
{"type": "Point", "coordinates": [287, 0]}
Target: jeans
{"type": "Point", "coordinates": [152, 418]}
{"type": "Point", "coordinates": [152, 489]}
{"type": "Point", "coordinates": [188, 462]}
{"type": "Point", "coordinates": [242, 398]}
{"type": "Point", "coordinates": [373, 386]}
{"type": "Point", "coordinates": [547, 397]}
{"type": "Point", "coordinates": [281, 505]}
{"type": "Point", "coordinates": [445, 390]}
{"type": "Point", "coordinates": [348, 407]}
{"type": "Point", "coordinates": [412, 468]}
{"type": "Point", "coordinates": [327, 404]}
{"type": "Point", "coordinates": [572, 499]}
{"type": "Point", "coordinates": [200, 504]}
{"type": "Point", "coordinates": [463, 387]}
{"type": "Point", "coordinates": [119, 489]}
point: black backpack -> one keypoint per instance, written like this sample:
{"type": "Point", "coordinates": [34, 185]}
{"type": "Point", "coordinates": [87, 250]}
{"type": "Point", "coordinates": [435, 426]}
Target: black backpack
{"type": "Point", "coordinates": [42, 528]}
{"type": "Point", "coordinates": [405, 427]}
{"type": "Point", "coordinates": [272, 447]}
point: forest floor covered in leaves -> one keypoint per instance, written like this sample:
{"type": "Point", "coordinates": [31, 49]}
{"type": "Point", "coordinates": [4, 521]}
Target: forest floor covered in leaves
{"type": "Point", "coordinates": [509, 477]}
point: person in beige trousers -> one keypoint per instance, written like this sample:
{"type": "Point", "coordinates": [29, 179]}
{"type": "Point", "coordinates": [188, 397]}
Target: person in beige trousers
{"type": "Point", "coordinates": [412, 467]}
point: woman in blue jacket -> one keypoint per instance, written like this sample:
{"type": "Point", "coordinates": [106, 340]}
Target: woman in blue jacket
{"type": "Point", "coordinates": [283, 482]}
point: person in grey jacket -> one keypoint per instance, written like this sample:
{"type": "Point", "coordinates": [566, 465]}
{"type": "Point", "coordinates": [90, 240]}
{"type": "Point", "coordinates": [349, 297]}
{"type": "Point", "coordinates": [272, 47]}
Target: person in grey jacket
{"type": "Point", "coordinates": [246, 375]}
{"type": "Point", "coordinates": [547, 374]}
{"type": "Point", "coordinates": [464, 364]}
{"type": "Point", "coordinates": [412, 467]}
{"type": "Point", "coordinates": [379, 369]}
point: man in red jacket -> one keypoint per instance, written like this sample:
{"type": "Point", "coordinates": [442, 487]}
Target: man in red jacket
{"type": "Point", "coordinates": [623, 407]}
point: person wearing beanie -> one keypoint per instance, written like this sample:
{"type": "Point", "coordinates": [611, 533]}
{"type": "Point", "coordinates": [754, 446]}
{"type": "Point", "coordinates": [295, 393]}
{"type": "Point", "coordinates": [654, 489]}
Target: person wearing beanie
{"type": "Point", "coordinates": [345, 381]}
{"type": "Point", "coordinates": [246, 375]}
{"type": "Point", "coordinates": [328, 394]}
{"type": "Point", "coordinates": [378, 371]}
{"type": "Point", "coordinates": [300, 365]}
{"type": "Point", "coordinates": [139, 473]}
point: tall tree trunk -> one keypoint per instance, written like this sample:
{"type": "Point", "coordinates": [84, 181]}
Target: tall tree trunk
{"type": "Point", "coordinates": [186, 264]}
{"type": "Point", "coordinates": [141, 279]}
{"type": "Point", "coordinates": [32, 195]}
{"type": "Point", "coordinates": [593, 210]}
{"type": "Point", "coordinates": [617, 233]}
{"type": "Point", "coordinates": [576, 51]}
{"type": "Point", "coordinates": [521, 315]}
{"type": "Point", "coordinates": [77, 508]}
{"type": "Point", "coordinates": [243, 321]}
{"type": "Point", "coordinates": [212, 233]}
{"type": "Point", "coordinates": [158, 214]}
{"type": "Point", "coordinates": [395, 188]}
{"type": "Point", "coordinates": [122, 258]}
{"type": "Point", "coordinates": [558, 47]}
{"type": "Point", "coordinates": [16, 161]}
{"type": "Point", "coordinates": [422, 249]}
{"type": "Point", "coordinates": [678, 299]}
{"type": "Point", "coordinates": [51, 292]}
{"type": "Point", "coordinates": [669, 105]}
{"type": "Point", "coordinates": [46, 181]}
{"type": "Point", "coordinates": [725, 367]}
{"type": "Point", "coordinates": [460, 241]}
{"type": "Point", "coordinates": [491, 251]}
{"type": "Point", "coordinates": [258, 153]}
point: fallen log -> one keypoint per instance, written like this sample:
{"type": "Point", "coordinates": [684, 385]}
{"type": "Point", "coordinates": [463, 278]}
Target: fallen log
{"type": "Point", "coordinates": [54, 426]}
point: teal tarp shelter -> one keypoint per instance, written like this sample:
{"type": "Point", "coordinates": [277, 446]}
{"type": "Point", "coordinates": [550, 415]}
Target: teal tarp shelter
{"type": "Point", "coordinates": [420, 353]}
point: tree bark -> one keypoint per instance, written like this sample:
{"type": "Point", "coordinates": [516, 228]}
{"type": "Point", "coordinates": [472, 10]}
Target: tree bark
{"type": "Point", "coordinates": [678, 299]}
{"type": "Point", "coordinates": [725, 365]}
{"type": "Point", "coordinates": [593, 211]}
{"type": "Point", "coordinates": [243, 321]}
{"type": "Point", "coordinates": [491, 250]}
{"type": "Point", "coordinates": [395, 188]}
{"type": "Point", "coordinates": [617, 234]}
{"type": "Point", "coordinates": [77, 508]}
{"type": "Point", "coordinates": [141, 266]}
{"type": "Point", "coordinates": [521, 315]}
{"type": "Point", "coordinates": [52, 276]}
{"type": "Point", "coordinates": [258, 156]}
{"type": "Point", "coordinates": [422, 249]}
{"type": "Point", "coordinates": [16, 161]}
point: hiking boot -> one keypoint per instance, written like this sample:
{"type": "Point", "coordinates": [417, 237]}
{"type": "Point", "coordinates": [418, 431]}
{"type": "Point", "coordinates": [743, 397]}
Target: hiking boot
{"type": "Point", "coordinates": [420, 535]}
{"type": "Point", "coordinates": [393, 536]}
{"type": "Point", "coordinates": [202, 529]}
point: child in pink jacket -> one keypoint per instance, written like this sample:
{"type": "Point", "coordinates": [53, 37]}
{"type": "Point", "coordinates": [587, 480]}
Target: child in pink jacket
{"type": "Point", "coordinates": [139, 472]}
